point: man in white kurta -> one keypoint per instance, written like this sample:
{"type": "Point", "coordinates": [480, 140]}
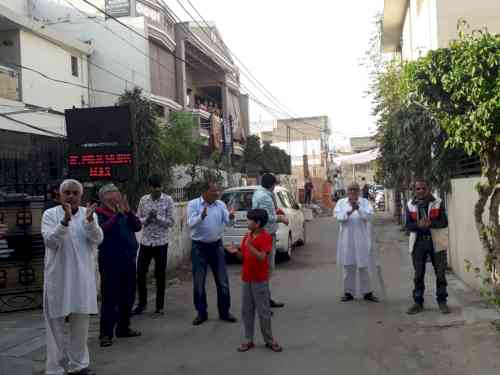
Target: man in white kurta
{"type": "Point", "coordinates": [354, 243]}
{"type": "Point", "coordinates": [71, 235]}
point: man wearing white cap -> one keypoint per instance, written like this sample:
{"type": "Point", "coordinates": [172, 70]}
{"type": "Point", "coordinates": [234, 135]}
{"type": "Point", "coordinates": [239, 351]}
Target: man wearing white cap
{"type": "Point", "coordinates": [71, 235]}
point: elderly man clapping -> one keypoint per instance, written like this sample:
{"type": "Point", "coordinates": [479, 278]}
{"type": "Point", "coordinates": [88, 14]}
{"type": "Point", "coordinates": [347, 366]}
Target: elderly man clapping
{"type": "Point", "coordinates": [354, 248]}
{"type": "Point", "coordinates": [71, 235]}
{"type": "Point", "coordinates": [117, 264]}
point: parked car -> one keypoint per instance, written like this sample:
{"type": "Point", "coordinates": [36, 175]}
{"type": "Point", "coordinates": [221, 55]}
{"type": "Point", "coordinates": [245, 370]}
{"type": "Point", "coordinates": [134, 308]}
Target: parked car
{"type": "Point", "coordinates": [287, 236]}
{"type": "Point", "coordinates": [380, 200]}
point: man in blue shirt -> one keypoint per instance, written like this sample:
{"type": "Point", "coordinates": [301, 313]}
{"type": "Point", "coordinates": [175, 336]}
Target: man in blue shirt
{"type": "Point", "coordinates": [264, 198]}
{"type": "Point", "coordinates": [207, 217]}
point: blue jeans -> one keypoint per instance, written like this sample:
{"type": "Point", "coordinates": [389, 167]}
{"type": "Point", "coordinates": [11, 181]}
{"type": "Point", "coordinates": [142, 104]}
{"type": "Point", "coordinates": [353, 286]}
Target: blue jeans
{"type": "Point", "coordinates": [202, 256]}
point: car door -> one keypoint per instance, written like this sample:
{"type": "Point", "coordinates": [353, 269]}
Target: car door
{"type": "Point", "coordinates": [293, 216]}
{"type": "Point", "coordinates": [298, 217]}
{"type": "Point", "coordinates": [289, 212]}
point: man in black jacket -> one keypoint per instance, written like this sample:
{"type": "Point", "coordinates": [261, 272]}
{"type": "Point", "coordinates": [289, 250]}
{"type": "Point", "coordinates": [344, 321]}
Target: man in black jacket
{"type": "Point", "coordinates": [425, 217]}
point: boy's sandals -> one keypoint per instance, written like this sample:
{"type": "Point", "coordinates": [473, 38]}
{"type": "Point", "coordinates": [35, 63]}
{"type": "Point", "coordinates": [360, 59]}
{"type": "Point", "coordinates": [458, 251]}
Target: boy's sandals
{"type": "Point", "coordinates": [275, 347]}
{"type": "Point", "coordinates": [246, 346]}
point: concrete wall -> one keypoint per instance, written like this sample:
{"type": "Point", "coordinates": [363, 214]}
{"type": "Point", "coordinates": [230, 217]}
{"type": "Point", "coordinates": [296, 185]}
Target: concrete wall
{"type": "Point", "coordinates": [464, 239]}
{"type": "Point", "coordinates": [431, 24]}
{"type": "Point", "coordinates": [46, 10]}
{"type": "Point", "coordinates": [54, 61]}
{"type": "Point", "coordinates": [389, 201]}
{"type": "Point", "coordinates": [18, 6]}
{"type": "Point", "coordinates": [420, 30]}
{"type": "Point", "coordinates": [122, 53]}
{"type": "Point", "coordinates": [478, 13]}
{"type": "Point", "coordinates": [10, 47]}
{"type": "Point", "coordinates": [179, 247]}
{"type": "Point", "coordinates": [180, 241]}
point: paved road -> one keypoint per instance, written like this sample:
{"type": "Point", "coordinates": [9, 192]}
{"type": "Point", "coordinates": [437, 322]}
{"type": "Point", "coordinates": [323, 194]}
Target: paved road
{"type": "Point", "coordinates": [320, 335]}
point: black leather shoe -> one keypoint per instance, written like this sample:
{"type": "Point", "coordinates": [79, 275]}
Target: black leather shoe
{"type": "Point", "coordinates": [228, 318]}
{"type": "Point", "coordinates": [128, 333]}
{"type": "Point", "coordinates": [347, 297]}
{"type": "Point", "coordinates": [276, 305]}
{"type": "Point", "coordinates": [371, 298]}
{"type": "Point", "coordinates": [443, 307]}
{"type": "Point", "coordinates": [85, 371]}
{"type": "Point", "coordinates": [416, 309]}
{"type": "Point", "coordinates": [199, 320]}
{"type": "Point", "coordinates": [138, 310]}
{"type": "Point", "coordinates": [106, 341]}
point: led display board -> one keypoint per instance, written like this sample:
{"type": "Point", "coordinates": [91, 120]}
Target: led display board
{"type": "Point", "coordinates": [100, 143]}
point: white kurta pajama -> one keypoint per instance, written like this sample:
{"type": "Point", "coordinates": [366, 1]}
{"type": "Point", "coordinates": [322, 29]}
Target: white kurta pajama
{"type": "Point", "coordinates": [69, 287]}
{"type": "Point", "coordinates": [354, 247]}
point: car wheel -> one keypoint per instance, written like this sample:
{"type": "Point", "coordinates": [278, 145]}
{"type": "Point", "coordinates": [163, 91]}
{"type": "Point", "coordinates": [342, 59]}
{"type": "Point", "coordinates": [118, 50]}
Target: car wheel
{"type": "Point", "coordinates": [288, 254]}
{"type": "Point", "coordinates": [302, 241]}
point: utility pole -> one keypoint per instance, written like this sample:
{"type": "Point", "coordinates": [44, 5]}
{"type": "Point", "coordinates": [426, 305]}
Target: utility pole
{"type": "Point", "coordinates": [289, 148]}
{"type": "Point", "coordinates": [305, 161]}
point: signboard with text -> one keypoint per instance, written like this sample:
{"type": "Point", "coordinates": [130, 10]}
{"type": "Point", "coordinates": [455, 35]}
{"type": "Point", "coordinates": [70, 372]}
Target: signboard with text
{"type": "Point", "coordinates": [100, 143]}
{"type": "Point", "coordinates": [108, 163]}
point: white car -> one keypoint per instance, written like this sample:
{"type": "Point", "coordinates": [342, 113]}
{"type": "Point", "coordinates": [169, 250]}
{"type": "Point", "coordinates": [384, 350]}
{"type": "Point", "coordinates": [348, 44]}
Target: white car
{"type": "Point", "coordinates": [287, 236]}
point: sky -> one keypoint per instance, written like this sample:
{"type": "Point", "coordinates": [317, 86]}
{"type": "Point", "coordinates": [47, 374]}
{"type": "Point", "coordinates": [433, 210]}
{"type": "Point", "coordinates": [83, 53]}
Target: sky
{"type": "Point", "coordinates": [306, 53]}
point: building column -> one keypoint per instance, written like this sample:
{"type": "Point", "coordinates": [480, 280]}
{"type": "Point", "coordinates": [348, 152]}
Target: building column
{"type": "Point", "coordinates": [225, 99]}
{"type": "Point", "coordinates": [180, 65]}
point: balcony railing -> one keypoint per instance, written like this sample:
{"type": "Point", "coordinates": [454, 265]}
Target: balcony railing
{"type": "Point", "coordinates": [156, 17]}
{"type": "Point", "coordinates": [9, 83]}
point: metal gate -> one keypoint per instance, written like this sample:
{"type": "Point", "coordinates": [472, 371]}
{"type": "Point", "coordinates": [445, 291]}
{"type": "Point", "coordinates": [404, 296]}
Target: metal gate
{"type": "Point", "coordinates": [22, 250]}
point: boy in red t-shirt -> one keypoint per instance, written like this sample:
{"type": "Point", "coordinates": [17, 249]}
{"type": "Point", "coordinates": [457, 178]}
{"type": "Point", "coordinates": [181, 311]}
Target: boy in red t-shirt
{"type": "Point", "coordinates": [254, 250]}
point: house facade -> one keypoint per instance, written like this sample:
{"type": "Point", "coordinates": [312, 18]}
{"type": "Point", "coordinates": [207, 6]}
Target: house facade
{"type": "Point", "coordinates": [42, 73]}
{"type": "Point", "coordinates": [411, 28]}
{"type": "Point", "coordinates": [307, 141]}
{"type": "Point", "coordinates": [179, 66]}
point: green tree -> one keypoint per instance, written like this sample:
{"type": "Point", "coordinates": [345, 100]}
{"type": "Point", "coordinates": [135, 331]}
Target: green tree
{"type": "Point", "coordinates": [180, 144]}
{"type": "Point", "coordinates": [252, 156]}
{"type": "Point", "coordinates": [148, 144]}
{"type": "Point", "coordinates": [266, 158]}
{"type": "Point", "coordinates": [275, 160]}
{"type": "Point", "coordinates": [461, 87]}
{"type": "Point", "coordinates": [410, 139]}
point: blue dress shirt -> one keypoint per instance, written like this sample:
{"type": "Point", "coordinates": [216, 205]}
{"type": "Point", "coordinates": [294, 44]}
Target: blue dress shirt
{"type": "Point", "coordinates": [211, 228]}
{"type": "Point", "coordinates": [264, 199]}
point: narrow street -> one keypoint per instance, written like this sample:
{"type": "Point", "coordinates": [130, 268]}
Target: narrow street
{"type": "Point", "coordinates": [319, 334]}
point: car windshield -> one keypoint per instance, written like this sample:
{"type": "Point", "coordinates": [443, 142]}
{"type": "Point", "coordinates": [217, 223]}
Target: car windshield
{"type": "Point", "coordinates": [239, 200]}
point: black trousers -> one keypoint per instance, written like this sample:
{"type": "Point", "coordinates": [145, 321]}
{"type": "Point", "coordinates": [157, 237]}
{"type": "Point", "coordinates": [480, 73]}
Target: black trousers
{"type": "Point", "coordinates": [307, 197]}
{"type": "Point", "coordinates": [146, 255]}
{"type": "Point", "coordinates": [118, 295]}
{"type": "Point", "coordinates": [422, 250]}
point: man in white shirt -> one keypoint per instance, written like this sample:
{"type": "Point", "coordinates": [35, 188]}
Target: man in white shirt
{"type": "Point", "coordinates": [71, 235]}
{"type": "Point", "coordinates": [354, 243]}
{"type": "Point", "coordinates": [156, 213]}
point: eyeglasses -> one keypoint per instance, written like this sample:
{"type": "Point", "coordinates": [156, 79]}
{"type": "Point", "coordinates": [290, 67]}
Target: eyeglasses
{"type": "Point", "coordinates": [71, 192]}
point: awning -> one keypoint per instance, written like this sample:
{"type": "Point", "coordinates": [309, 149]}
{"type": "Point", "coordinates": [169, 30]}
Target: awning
{"type": "Point", "coordinates": [19, 118]}
{"type": "Point", "coordinates": [360, 158]}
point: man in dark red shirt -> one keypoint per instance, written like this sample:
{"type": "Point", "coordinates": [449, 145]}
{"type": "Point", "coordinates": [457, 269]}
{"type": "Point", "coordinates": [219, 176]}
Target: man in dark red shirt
{"type": "Point", "coordinates": [254, 250]}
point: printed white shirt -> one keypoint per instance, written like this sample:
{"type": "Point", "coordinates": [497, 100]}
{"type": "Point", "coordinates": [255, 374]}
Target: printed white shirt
{"type": "Point", "coordinates": [155, 231]}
